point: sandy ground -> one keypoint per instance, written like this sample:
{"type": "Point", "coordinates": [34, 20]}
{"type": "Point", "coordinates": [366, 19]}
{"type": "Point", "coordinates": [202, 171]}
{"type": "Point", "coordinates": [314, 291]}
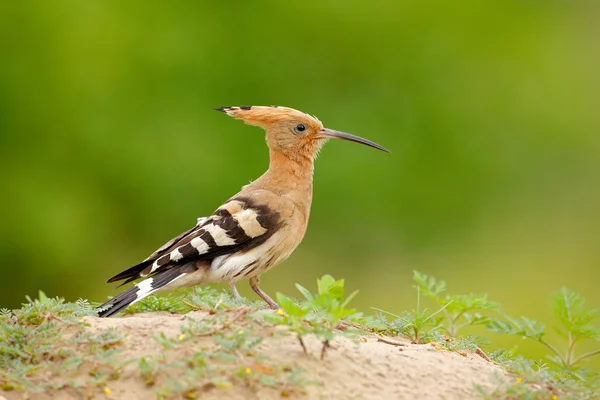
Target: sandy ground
{"type": "Point", "coordinates": [367, 369]}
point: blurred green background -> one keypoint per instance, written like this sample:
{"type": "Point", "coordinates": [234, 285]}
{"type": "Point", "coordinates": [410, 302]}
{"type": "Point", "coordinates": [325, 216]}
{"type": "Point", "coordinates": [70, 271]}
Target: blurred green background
{"type": "Point", "coordinates": [109, 147]}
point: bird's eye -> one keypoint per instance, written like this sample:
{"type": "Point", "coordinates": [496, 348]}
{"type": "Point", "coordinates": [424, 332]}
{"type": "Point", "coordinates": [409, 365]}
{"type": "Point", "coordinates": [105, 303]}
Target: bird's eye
{"type": "Point", "coordinates": [300, 128]}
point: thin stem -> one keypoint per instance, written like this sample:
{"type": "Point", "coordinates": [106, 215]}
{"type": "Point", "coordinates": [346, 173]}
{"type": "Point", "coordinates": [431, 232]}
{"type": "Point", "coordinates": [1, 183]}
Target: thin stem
{"type": "Point", "coordinates": [390, 341]}
{"type": "Point", "coordinates": [572, 342]}
{"type": "Point", "coordinates": [460, 314]}
{"type": "Point", "coordinates": [437, 312]}
{"type": "Point", "coordinates": [460, 326]}
{"type": "Point", "coordinates": [450, 323]}
{"type": "Point", "coordinates": [324, 348]}
{"type": "Point", "coordinates": [569, 348]}
{"type": "Point", "coordinates": [302, 344]}
{"type": "Point", "coordinates": [187, 303]}
{"type": "Point", "coordinates": [586, 355]}
{"type": "Point", "coordinates": [385, 312]}
{"type": "Point", "coordinates": [454, 321]}
{"type": "Point", "coordinates": [548, 345]}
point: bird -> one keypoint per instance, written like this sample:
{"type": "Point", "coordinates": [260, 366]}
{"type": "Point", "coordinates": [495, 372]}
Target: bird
{"type": "Point", "coordinates": [254, 230]}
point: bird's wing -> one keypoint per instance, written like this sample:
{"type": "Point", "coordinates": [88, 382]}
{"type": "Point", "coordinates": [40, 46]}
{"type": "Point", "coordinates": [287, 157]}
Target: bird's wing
{"type": "Point", "coordinates": [241, 223]}
{"type": "Point", "coordinates": [171, 243]}
{"type": "Point", "coordinates": [133, 273]}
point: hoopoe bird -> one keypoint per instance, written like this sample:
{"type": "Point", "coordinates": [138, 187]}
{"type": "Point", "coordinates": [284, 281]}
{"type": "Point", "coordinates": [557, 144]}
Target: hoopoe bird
{"type": "Point", "coordinates": [255, 229]}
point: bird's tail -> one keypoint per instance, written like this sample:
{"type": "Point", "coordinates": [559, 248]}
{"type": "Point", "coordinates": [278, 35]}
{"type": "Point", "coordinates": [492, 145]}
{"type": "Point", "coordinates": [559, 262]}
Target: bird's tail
{"type": "Point", "coordinates": [140, 290]}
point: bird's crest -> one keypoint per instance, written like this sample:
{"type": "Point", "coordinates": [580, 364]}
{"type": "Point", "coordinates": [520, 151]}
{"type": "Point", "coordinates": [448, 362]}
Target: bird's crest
{"type": "Point", "coordinates": [266, 115]}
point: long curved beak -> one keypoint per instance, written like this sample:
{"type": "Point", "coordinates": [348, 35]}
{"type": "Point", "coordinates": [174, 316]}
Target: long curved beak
{"type": "Point", "coordinates": [330, 133]}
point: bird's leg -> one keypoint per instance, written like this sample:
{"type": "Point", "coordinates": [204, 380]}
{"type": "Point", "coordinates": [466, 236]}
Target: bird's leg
{"type": "Point", "coordinates": [254, 281]}
{"type": "Point", "coordinates": [234, 291]}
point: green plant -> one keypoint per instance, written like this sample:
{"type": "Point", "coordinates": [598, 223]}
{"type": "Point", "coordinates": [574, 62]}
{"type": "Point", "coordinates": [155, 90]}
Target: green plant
{"type": "Point", "coordinates": [564, 378]}
{"type": "Point", "coordinates": [460, 310]}
{"type": "Point", "coordinates": [535, 380]}
{"type": "Point", "coordinates": [212, 300]}
{"type": "Point", "coordinates": [171, 302]}
{"type": "Point", "coordinates": [182, 301]}
{"type": "Point", "coordinates": [418, 325]}
{"type": "Point", "coordinates": [317, 314]}
{"type": "Point", "coordinates": [45, 344]}
{"type": "Point", "coordinates": [457, 311]}
{"type": "Point", "coordinates": [577, 324]}
{"type": "Point", "coordinates": [185, 369]}
{"type": "Point", "coordinates": [45, 338]}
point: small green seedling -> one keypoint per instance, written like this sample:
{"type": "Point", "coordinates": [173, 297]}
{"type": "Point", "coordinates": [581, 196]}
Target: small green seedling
{"type": "Point", "coordinates": [317, 314]}
{"type": "Point", "coordinates": [577, 324]}
{"type": "Point", "coordinates": [170, 303]}
{"type": "Point", "coordinates": [422, 326]}
{"type": "Point", "coordinates": [417, 325]}
{"type": "Point", "coordinates": [460, 310]}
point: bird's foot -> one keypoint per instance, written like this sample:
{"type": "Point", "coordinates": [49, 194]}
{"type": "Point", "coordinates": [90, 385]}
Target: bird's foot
{"type": "Point", "coordinates": [254, 285]}
{"type": "Point", "coordinates": [234, 291]}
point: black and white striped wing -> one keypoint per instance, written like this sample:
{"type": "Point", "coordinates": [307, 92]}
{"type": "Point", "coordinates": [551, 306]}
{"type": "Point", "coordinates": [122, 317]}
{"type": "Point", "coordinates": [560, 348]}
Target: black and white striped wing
{"type": "Point", "coordinates": [237, 225]}
{"type": "Point", "coordinates": [165, 247]}
{"type": "Point", "coordinates": [133, 273]}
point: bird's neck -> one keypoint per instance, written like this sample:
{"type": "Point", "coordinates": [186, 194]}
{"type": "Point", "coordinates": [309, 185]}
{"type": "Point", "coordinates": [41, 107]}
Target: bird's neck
{"type": "Point", "coordinates": [291, 177]}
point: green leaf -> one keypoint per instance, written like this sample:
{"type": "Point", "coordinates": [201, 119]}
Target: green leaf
{"type": "Point", "coordinates": [476, 319]}
{"type": "Point", "coordinates": [325, 283]}
{"type": "Point", "coordinates": [574, 315]}
{"type": "Point", "coordinates": [500, 326]}
{"type": "Point", "coordinates": [284, 302]}
{"type": "Point", "coordinates": [144, 366]}
{"type": "Point", "coordinates": [289, 306]}
{"type": "Point", "coordinates": [336, 291]}
{"type": "Point", "coordinates": [349, 298]}
{"type": "Point", "coordinates": [428, 285]}
{"type": "Point", "coordinates": [305, 292]}
{"type": "Point", "coordinates": [268, 381]}
{"type": "Point", "coordinates": [526, 327]}
{"type": "Point", "coordinates": [42, 297]}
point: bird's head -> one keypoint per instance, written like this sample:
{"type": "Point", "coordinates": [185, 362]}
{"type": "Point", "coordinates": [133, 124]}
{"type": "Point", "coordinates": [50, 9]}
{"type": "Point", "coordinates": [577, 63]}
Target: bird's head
{"type": "Point", "coordinates": [290, 131]}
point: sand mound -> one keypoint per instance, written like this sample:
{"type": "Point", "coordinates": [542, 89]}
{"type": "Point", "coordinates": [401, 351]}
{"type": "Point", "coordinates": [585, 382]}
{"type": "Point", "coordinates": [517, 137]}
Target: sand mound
{"type": "Point", "coordinates": [362, 369]}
